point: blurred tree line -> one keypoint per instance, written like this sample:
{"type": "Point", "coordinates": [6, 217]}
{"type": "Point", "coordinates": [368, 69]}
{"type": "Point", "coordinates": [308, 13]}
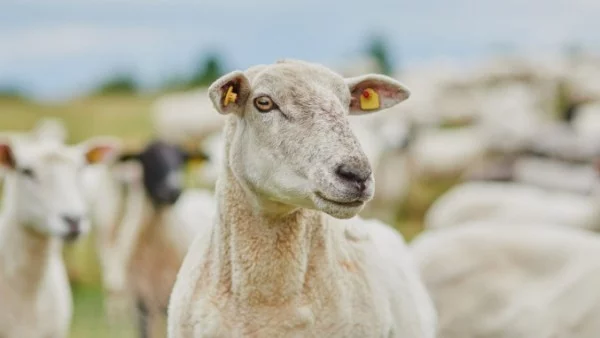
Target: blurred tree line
{"type": "Point", "coordinates": [12, 93]}
{"type": "Point", "coordinates": [378, 49]}
{"type": "Point", "coordinates": [206, 70]}
{"type": "Point", "coordinates": [210, 68]}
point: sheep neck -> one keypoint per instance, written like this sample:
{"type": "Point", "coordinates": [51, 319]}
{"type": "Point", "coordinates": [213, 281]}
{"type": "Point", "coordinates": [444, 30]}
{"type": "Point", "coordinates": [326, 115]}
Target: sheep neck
{"type": "Point", "coordinates": [264, 258]}
{"type": "Point", "coordinates": [24, 253]}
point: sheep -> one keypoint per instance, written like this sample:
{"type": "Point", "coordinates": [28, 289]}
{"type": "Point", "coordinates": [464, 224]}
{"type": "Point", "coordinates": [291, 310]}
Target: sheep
{"type": "Point", "coordinates": [279, 259]}
{"type": "Point", "coordinates": [46, 129]}
{"type": "Point", "coordinates": [42, 206]}
{"type": "Point", "coordinates": [109, 195]}
{"type": "Point", "coordinates": [142, 251]}
{"type": "Point", "coordinates": [512, 280]}
{"type": "Point", "coordinates": [586, 123]}
{"type": "Point", "coordinates": [473, 201]}
{"type": "Point", "coordinates": [539, 171]}
{"type": "Point", "coordinates": [185, 117]}
{"type": "Point", "coordinates": [385, 142]}
{"type": "Point", "coordinates": [449, 152]}
{"type": "Point", "coordinates": [509, 116]}
{"type": "Point", "coordinates": [378, 134]}
{"type": "Point", "coordinates": [549, 173]}
{"type": "Point", "coordinates": [207, 174]}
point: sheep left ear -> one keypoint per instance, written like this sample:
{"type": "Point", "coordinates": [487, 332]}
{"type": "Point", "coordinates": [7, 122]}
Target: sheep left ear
{"type": "Point", "coordinates": [101, 150]}
{"type": "Point", "coordinates": [373, 92]}
{"type": "Point", "coordinates": [7, 158]}
{"type": "Point", "coordinates": [230, 93]}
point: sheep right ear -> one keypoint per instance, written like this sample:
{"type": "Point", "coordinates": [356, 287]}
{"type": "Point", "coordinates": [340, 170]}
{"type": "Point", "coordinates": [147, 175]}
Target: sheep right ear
{"type": "Point", "coordinates": [7, 158]}
{"type": "Point", "coordinates": [230, 93]}
{"type": "Point", "coordinates": [374, 92]}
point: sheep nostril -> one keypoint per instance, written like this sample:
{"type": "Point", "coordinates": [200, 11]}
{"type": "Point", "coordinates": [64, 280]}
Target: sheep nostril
{"type": "Point", "coordinates": [72, 221]}
{"type": "Point", "coordinates": [174, 196]}
{"type": "Point", "coordinates": [354, 175]}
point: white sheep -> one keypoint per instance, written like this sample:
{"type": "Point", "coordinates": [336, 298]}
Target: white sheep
{"type": "Point", "coordinates": [145, 231]}
{"type": "Point", "coordinates": [473, 201]}
{"type": "Point", "coordinates": [512, 280]}
{"type": "Point", "coordinates": [42, 206]}
{"type": "Point", "coordinates": [586, 123]}
{"type": "Point", "coordinates": [279, 260]}
{"type": "Point", "coordinates": [185, 117]}
{"type": "Point", "coordinates": [208, 172]}
{"type": "Point", "coordinates": [447, 152]}
{"type": "Point", "coordinates": [581, 178]}
{"type": "Point", "coordinates": [46, 130]}
{"type": "Point", "coordinates": [385, 139]}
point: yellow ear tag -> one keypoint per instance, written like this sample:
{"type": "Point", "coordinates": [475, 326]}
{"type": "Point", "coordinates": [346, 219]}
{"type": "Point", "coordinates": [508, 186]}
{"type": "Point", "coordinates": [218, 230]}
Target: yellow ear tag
{"type": "Point", "coordinates": [369, 100]}
{"type": "Point", "coordinates": [229, 97]}
{"type": "Point", "coordinates": [95, 155]}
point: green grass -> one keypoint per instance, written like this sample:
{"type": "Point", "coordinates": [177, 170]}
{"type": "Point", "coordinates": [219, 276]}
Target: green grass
{"type": "Point", "coordinates": [89, 320]}
{"type": "Point", "coordinates": [124, 116]}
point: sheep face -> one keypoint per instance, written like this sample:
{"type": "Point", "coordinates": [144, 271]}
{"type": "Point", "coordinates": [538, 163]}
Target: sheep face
{"type": "Point", "coordinates": [44, 189]}
{"type": "Point", "coordinates": [160, 167]}
{"type": "Point", "coordinates": [293, 143]}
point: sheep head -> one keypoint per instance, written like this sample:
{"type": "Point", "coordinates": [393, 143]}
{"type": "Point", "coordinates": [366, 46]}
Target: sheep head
{"type": "Point", "coordinates": [293, 143]}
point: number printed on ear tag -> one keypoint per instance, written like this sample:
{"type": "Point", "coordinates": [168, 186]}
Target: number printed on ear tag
{"type": "Point", "coordinates": [369, 99]}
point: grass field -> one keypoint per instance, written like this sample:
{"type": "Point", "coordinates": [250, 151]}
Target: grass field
{"type": "Point", "coordinates": [128, 117]}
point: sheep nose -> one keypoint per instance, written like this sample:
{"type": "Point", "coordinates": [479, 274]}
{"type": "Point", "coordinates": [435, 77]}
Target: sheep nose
{"type": "Point", "coordinates": [72, 221]}
{"type": "Point", "coordinates": [167, 196]}
{"type": "Point", "coordinates": [353, 174]}
{"type": "Point", "coordinates": [174, 196]}
{"type": "Point", "coordinates": [74, 224]}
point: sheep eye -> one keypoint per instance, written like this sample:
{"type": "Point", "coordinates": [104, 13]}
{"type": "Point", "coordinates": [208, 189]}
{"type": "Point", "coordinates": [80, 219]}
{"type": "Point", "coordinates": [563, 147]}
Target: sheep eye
{"type": "Point", "coordinates": [27, 172]}
{"type": "Point", "coordinates": [264, 104]}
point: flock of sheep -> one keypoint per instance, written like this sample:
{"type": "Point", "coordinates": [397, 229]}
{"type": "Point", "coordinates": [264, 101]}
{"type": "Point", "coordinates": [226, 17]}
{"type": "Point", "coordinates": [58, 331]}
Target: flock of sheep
{"type": "Point", "coordinates": [271, 245]}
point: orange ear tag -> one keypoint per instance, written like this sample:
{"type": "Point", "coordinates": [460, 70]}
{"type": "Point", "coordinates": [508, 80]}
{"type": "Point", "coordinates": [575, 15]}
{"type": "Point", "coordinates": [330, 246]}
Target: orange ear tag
{"type": "Point", "coordinates": [96, 155]}
{"type": "Point", "coordinates": [229, 97]}
{"type": "Point", "coordinates": [369, 100]}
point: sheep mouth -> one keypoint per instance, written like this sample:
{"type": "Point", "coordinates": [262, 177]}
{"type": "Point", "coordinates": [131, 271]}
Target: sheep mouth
{"type": "Point", "coordinates": [350, 204]}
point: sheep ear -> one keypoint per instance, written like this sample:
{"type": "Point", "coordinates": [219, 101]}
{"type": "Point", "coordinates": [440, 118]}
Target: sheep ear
{"type": "Point", "coordinates": [101, 150]}
{"type": "Point", "coordinates": [230, 93]}
{"type": "Point", "coordinates": [373, 92]}
{"type": "Point", "coordinates": [7, 158]}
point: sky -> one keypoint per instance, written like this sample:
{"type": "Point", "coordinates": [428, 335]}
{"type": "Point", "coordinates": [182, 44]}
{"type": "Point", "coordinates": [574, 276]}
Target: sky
{"type": "Point", "coordinates": [57, 49]}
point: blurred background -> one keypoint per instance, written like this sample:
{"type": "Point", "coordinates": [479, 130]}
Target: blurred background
{"type": "Point", "coordinates": [492, 81]}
